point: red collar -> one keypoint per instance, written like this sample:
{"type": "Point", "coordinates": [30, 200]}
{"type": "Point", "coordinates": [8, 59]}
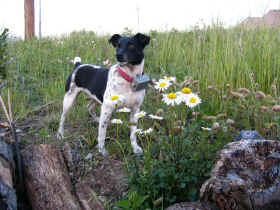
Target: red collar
{"type": "Point", "coordinates": [124, 75]}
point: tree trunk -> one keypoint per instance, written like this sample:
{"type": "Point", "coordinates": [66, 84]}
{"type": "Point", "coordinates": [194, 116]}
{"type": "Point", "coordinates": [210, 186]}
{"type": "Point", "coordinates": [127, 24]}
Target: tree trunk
{"type": "Point", "coordinates": [246, 176]}
{"type": "Point", "coordinates": [47, 180]}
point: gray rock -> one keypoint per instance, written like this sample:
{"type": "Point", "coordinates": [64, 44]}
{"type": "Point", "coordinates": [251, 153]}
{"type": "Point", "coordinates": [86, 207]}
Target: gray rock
{"type": "Point", "coordinates": [248, 134]}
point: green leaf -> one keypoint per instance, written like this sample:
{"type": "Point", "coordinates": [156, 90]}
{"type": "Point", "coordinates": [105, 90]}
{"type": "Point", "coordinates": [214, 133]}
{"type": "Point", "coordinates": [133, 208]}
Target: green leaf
{"type": "Point", "coordinates": [138, 200]}
{"type": "Point", "coordinates": [125, 204]}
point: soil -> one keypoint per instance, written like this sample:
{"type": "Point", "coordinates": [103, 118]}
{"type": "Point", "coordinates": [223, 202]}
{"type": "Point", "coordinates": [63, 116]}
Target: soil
{"type": "Point", "coordinates": [100, 180]}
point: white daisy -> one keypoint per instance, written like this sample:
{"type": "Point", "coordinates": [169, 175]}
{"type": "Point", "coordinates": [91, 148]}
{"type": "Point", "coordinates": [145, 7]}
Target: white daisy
{"type": "Point", "coordinates": [148, 131]}
{"type": "Point", "coordinates": [184, 93]}
{"type": "Point", "coordinates": [155, 117]}
{"type": "Point", "coordinates": [116, 121]}
{"type": "Point", "coordinates": [124, 110]}
{"type": "Point", "coordinates": [170, 79]}
{"type": "Point", "coordinates": [140, 114]}
{"type": "Point", "coordinates": [206, 129]}
{"type": "Point", "coordinates": [139, 131]}
{"type": "Point", "coordinates": [192, 100]}
{"type": "Point", "coordinates": [171, 99]}
{"type": "Point", "coordinates": [162, 85]}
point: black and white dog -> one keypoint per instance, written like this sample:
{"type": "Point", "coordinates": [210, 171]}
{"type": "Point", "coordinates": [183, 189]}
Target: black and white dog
{"type": "Point", "coordinates": [102, 85]}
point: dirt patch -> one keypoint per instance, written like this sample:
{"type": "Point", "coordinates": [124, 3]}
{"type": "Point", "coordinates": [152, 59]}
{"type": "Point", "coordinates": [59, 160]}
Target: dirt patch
{"type": "Point", "coordinates": [97, 180]}
{"type": "Point", "coordinates": [103, 184]}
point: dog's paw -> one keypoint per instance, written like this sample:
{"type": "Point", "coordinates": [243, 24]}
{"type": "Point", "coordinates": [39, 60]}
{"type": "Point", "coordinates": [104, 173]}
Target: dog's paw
{"type": "Point", "coordinates": [137, 150]}
{"type": "Point", "coordinates": [103, 151]}
{"type": "Point", "coordinates": [60, 135]}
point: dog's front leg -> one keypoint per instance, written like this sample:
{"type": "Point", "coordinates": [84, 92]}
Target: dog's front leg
{"type": "Point", "coordinates": [106, 112]}
{"type": "Point", "coordinates": [133, 127]}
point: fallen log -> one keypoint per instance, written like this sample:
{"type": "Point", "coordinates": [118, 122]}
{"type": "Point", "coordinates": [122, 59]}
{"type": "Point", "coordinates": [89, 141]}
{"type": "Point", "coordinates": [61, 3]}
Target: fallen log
{"type": "Point", "coordinates": [47, 180]}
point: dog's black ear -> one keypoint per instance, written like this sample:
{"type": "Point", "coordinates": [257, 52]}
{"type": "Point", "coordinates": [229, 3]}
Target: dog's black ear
{"type": "Point", "coordinates": [142, 39]}
{"type": "Point", "coordinates": [114, 40]}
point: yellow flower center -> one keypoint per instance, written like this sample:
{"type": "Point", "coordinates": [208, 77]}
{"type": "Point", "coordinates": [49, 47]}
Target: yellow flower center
{"type": "Point", "coordinates": [186, 90]}
{"type": "Point", "coordinates": [172, 96]}
{"type": "Point", "coordinates": [118, 121]}
{"type": "Point", "coordinates": [113, 98]}
{"type": "Point", "coordinates": [192, 100]}
{"type": "Point", "coordinates": [162, 84]}
{"type": "Point", "coordinates": [140, 115]}
{"type": "Point", "coordinates": [168, 78]}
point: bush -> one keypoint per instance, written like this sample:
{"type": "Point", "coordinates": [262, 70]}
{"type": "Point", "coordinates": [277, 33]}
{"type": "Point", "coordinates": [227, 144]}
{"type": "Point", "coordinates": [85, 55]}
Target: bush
{"type": "Point", "coordinates": [3, 52]}
{"type": "Point", "coordinates": [174, 169]}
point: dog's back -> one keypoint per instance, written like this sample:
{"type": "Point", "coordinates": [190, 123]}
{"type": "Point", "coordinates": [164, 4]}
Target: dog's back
{"type": "Point", "coordinates": [89, 78]}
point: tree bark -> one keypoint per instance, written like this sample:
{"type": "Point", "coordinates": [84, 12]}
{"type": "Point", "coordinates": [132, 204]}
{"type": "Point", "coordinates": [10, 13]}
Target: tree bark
{"type": "Point", "coordinates": [47, 180]}
{"type": "Point", "coordinates": [246, 176]}
{"type": "Point", "coordinates": [192, 206]}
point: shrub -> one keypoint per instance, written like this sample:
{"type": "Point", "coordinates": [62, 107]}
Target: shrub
{"type": "Point", "coordinates": [174, 169]}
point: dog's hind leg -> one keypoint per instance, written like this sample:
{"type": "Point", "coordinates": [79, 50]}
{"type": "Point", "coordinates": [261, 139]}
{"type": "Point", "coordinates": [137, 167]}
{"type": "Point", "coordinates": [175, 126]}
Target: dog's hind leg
{"type": "Point", "coordinates": [133, 127]}
{"type": "Point", "coordinates": [68, 102]}
{"type": "Point", "coordinates": [91, 106]}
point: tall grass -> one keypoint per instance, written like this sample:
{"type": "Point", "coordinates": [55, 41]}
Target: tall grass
{"type": "Point", "coordinates": [214, 56]}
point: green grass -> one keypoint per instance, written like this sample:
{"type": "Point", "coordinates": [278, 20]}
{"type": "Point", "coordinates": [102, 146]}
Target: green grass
{"type": "Point", "coordinates": [214, 62]}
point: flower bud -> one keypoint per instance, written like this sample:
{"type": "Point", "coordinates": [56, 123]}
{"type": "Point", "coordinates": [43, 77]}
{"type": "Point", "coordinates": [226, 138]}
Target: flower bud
{"type": "Point", "coordinates": [221, 116]}
{"type": "Point", "coordinates": [259, 94]}
{"type": "Point", "coordinates": [195, 82]}
{"type": "Point", "coordinates": [236, 95]}
{"type": "Point", "coordinates": [206, 117]}
{"type": "Point", "coordinates": [276, 108]}
{"type": "Point", "coordinates": [241, 107]}
{"type": "Point", "coordinates": [273, 87]}
{"type": "Point", "coordinates": [216, 126]}
{"type": "Point", "coordinates": [159, 112]}
{"type": "Point", "coordinates": [263, 109]}
{"type": "Point", "coordinates": [195, 114]}
{"type": "Point", "coordinates": [244, 90]}
{"type": "Point", "coordinates": [230, 122]}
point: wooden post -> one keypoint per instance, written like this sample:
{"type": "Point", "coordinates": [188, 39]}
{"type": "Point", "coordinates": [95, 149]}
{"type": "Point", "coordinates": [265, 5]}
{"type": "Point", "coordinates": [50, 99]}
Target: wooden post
{"type": "Point", "coordinates": [29, 19]}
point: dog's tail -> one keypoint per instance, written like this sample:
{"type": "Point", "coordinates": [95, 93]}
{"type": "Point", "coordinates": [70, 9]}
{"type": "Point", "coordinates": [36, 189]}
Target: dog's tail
{"type": "Point", "coordinates": [77, 62]}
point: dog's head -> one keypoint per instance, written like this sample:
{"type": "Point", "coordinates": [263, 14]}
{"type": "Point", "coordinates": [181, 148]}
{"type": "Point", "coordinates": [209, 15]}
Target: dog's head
{"type": "Point", "coordinates": [129, 50]}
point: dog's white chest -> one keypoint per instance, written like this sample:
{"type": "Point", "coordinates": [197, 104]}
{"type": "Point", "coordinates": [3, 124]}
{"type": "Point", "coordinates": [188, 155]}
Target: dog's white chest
{"type": "Point", "coordinates": [117, 86]}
